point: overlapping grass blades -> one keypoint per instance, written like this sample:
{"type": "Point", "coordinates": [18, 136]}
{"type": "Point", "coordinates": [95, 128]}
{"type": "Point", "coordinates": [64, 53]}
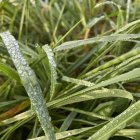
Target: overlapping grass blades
{"type": "Point", "coordinates": [123, 77]}
{"type": "Point", "coordinates": [96, 84]}
{"type": "Point", "coordinates": [65, 134]}
{"type": "Point", "coordinates": [9, 71]}
{"type": "Point", "coordinates": [30, 83]}
{"type": "Point", "coordinates": [117, 123]}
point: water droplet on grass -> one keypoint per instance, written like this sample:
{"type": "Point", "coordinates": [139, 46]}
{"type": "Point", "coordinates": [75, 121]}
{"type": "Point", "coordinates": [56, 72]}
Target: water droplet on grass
{"type": "Point", "coordinates": [69, 133]}
{"type": "Point", "coordinates": [50, 119]}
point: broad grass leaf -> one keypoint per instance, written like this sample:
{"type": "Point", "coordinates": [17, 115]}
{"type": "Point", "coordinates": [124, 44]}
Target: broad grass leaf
{"type": "Point", "coordinates": [30, 83]}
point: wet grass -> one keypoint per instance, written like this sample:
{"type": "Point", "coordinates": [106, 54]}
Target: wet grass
{"type": "Point", "coordinates": [84, 56]}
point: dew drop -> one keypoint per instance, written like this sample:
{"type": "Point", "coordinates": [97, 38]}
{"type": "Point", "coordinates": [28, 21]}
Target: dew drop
{"type": "Point", "coordinates": [132, 105]}
{"type": "Point", "coordinates": [20, 71]}
{"type": "Point", "coordinates": [69, 133]}
{"type": "Point", "coordinates": [30, 72]}
{"type": "Point", "coordinates": [50, 119]}
{"type": "Point", "coordinates": [105, 127]}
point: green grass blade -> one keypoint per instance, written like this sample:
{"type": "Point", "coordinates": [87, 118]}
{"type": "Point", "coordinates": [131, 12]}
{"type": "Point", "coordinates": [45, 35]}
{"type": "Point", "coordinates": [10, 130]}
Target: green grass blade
{"type": "Point", "coordinates": [86, 95]}
{"type": "Point", "coordinates": [91, 114]}
{"type": "Point", "coordinates": [22, 19]}
{"type": "Point", "coordinates": [67, 122]}
{"type": "Point", "coordinates": [94, 21]}
{"type": "Point", "coordinates": [65, 134]}
{"type": "Point", "coordinates": [130, 133]}
{"type": "Point", "coordinates": [110, 38]}
{"type": "Point", "coordinates": [118, 123]}
{"type": "Point", "coordinates": [98, 5]}
{"type": "Point", "coordinates": [128, 10]}
{"type": "Point", "coordinates": [9, 72]}
{"type": "Point", "coordinates": [30, 83]}
{"type": "Point", "coordinates": [21, 116]}
{"type": "Point", "coordinates": [115, 61]}
{"type": "Point", "coordinates": [123, 77]}
{"type": "Point", "coordinates": [77, 81]}
{"type": "Point", "coordinates": [52, 65]}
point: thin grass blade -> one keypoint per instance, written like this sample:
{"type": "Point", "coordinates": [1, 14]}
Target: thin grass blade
{"type": "Point", "coordinates": [52, 65]}
{"type": "Point", "coordinates": [110, 38]}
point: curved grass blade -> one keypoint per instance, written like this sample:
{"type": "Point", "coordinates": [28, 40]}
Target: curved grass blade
{"type": "Point", "coordinates": [129, 133]}
{"type": "Point", "coordinates": [90, 95]}
{"type": "Point", "coordinates": [15, 110]}
{"type": "Point", "coordinates": [98, 5]}
{"type": "Point", "coordinates": [117, 123]}
{"type": "Point", "coordinates": [67, 122]}
{"type": "Point", "coordinates": [127, 26]}
{"type": "Point", "coordinates": [115, 61]}
{"type": "Point", "coordinates": [18, 117]}
{"type": "Point", "coordinates": [135, 73]}
{"type": "Point", "coordinates": [94, 21]}
{"type": "Point", "coordinates": [109, 38]}
{"type": "Point", "coordinates": [9, 71]}
{"type": "Point", "coordinates": [12, 128]}
{"type": "Point", "coordinates": [77, 81]}
{"type": "Point", "coordinates": [65, 134]}
{"type": "Point", "coordinates": [91, 114]}
{"type": "Point", "coordinates": [30, 83]}
{"type": "Point", "coordinates": [52, 64]}
{"type": "Point", "coordinates": [73, 99]}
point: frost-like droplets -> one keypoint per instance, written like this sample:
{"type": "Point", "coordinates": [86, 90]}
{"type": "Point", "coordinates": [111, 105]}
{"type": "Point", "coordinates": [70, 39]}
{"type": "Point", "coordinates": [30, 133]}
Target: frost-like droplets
{"type": "Point", "coordinates": [14, 51]}
{"type": "Point", "coordinates": [77, 81]}
{"type": "Point", "coordinates": [30, 83]}
{"type": "Point", "coordinates": [20, 71]}
{"type": "Point", "coordinates": [50, 55]}
{"type": "Point", "coordinates": [69, 133]}
{"type": "Point", "coordinates": [118, 123]}
{"type": "Point", "coordinates": [50, 118]}
{"type": "Point", "coordinates": [52, 66]}
{"type": "Point", "coordinates": [52, 63]}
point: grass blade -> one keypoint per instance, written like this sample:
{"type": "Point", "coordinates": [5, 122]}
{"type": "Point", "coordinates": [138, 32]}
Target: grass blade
{"type": "Point", "coordinates": [65, 134]}
{"type": "Point", "coordinates": [18, 117]}
{"type": "Point", "coordinates": [77, 81]}
{"type": "Point", "coordinates": [30, 83]}
{"type": "Point", "coordinates": [52, 65]}
{"type": "Point", "coordinates": [130, 133]}
{"type": "Point", "coordinates": [110, 38]}
{"type": "Point", "coordinates": [90, 95]}
{"type": "Point", "coordinates": [67, 122]}
{"type": "Point", "coordinates": [117, 123]}
{"type": "Point", "coordinates": [9, 72]}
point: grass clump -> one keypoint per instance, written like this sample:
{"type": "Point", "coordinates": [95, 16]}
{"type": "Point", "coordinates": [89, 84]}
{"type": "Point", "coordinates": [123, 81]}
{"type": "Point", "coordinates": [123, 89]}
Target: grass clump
{"type": "Point", "coordinates": [77, 60]}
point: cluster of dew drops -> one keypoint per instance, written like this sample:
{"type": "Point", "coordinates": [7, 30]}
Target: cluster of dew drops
{"type": "Point", "coordinates": [52, 62]}
{"type": "Point", "coordinates": [14, 51]}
